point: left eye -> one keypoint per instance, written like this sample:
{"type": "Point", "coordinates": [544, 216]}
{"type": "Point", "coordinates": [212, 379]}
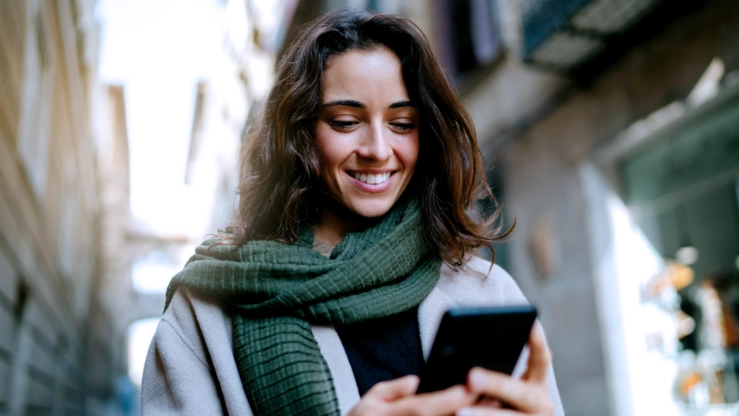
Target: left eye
{"type": "Point", "coordinates": [403, 126]}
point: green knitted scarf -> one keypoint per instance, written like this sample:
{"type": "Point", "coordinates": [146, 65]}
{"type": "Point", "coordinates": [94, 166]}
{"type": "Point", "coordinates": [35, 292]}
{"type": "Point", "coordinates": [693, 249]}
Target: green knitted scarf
{"type": "Point", "coordinates": [276, 291]}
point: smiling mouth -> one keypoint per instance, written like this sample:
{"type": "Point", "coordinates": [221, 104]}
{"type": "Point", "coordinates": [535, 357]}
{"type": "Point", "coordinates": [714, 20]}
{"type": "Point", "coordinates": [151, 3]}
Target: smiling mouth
{"type": "Point", "coordinates": [371, 179]}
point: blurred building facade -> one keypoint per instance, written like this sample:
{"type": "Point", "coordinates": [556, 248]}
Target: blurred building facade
{"type": "Point", "coordinates": [53, 323]}
{"type": "Point", "coordinates": [594, 232]}
{"type": "Point", "coordinates": [226, 92]}
{"type": "Point", "coordinates": [610, 129]}
{"type": "Point", "coordinates": [69, 247]}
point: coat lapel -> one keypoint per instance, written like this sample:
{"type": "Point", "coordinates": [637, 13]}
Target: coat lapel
{"type": "Point", "coordinates": [333, 351]}
{"type": "Point", "coordinates": [430, 312]}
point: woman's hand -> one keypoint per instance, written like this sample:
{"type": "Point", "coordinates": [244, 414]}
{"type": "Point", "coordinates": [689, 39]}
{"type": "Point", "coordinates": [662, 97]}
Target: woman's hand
{"type": "Point", "coordinates": [527, 396]}
{"type": "Point", "coordinates": [398, 397]}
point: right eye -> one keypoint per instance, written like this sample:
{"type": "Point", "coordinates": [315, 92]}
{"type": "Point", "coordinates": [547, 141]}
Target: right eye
{"type": "Point", "coordinates": [343, 124]}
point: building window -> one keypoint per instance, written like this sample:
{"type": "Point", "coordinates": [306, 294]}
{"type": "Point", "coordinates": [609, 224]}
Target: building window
{"type": "Point", "coordinates": [470, 36]}
{"type": "Point", "coordinates": [36, 102]}
{"type": "Point", "coordinates": [69, 232]}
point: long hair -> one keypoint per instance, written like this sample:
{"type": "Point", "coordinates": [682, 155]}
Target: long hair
{"type": "Point", "coordinates": [279, 185]}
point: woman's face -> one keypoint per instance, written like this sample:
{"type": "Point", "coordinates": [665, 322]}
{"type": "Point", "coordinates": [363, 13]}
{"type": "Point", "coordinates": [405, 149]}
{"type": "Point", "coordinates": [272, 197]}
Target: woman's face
{"type": "Point", "coordinates": [367, 131]}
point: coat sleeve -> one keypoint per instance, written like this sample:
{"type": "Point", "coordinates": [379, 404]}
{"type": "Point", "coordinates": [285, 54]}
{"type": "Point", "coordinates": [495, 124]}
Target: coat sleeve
{"type": "Point", "coordinates": [512, 295]}
{"type": "Point", "coordinates": [176, 380]}
{"type": "Point", "coordinates": [554, 392]}
{"type": "Point", "coordinates": [485, 284]}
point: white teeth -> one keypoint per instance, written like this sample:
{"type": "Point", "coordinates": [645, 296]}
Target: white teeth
{"type": "Point", "coordinates": [370, 178]}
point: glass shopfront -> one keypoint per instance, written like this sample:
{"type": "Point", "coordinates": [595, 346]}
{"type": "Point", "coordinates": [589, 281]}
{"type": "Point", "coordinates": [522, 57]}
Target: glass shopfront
{"type": "Point", "coordinates": [682, 189]}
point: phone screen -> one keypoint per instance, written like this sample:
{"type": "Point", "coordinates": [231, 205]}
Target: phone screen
{"type": "Point", "coordinates": [490, 337]}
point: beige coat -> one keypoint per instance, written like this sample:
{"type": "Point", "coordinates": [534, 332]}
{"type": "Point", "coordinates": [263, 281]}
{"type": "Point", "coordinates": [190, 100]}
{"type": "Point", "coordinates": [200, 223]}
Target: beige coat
{"type": "Point", "coordinates": [190, 368]}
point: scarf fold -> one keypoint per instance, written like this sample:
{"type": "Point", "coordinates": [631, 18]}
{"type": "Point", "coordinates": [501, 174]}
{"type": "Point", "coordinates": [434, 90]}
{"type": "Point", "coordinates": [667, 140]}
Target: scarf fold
{"type": "Point", "coordinates": [276, 291]}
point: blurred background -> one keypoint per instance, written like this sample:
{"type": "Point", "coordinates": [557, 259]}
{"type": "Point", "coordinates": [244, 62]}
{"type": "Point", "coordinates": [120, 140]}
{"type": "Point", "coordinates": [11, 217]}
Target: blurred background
{"type": "Point", "coordinates": [610, 127]}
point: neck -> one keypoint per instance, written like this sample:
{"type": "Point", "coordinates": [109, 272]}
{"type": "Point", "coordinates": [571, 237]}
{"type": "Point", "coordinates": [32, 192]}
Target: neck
{"type": "Point", "coordinates": [333, 226]}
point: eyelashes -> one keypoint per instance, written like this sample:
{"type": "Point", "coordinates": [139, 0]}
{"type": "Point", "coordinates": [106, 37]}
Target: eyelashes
{"type": "Point", "coordinates": [347, 125]}
{"type": "Point", "coordinates": [342, 125]}
{"type": "Point", "coordinates": [403, 127]}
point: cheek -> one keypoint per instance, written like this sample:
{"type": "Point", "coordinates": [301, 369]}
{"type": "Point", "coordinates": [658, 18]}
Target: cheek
{"type": "Point", "coordinates": [408, 151]}
{"type": "Point", "coordinates": [330, 159]}
{"type": "Point", "coordinates": [331, 152]}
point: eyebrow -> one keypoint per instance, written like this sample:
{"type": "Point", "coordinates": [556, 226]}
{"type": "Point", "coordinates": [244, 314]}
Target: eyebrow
{"type": "Point", "coordinates": [346, 103]}
{"type": "Point", "coordinates": [357, 104]}
{"type": "Point", "coordinates": [401, 104]}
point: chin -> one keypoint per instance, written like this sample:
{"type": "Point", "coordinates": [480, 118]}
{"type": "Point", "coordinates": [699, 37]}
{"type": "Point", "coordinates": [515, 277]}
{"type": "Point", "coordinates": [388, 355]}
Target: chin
{"type": "Point", "coordinates": [372, 210]}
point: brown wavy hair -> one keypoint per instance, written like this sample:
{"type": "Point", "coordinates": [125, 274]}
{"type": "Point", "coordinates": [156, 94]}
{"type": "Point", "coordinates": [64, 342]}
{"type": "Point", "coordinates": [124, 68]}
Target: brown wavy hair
{"type": "Point", "coordinates": [280, 188]}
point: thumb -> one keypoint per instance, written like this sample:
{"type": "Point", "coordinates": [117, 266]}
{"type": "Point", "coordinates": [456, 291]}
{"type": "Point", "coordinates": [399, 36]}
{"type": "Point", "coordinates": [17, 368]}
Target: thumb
{"type": "Point", "coordinates": [395, 389]}
{"type": "Point", "coordinates": [539, 357]}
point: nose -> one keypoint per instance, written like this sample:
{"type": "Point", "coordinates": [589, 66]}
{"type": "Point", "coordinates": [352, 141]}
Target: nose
{"type": "Point", "coordinates": [376, 143]}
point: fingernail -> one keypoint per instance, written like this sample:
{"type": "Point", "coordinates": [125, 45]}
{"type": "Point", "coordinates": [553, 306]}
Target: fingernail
{"type": "Point", "coordinates": [465, 411]}
{"type": "Point", "coordinates": [477, 378]}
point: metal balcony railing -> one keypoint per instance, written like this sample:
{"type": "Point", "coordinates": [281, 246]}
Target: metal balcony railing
{"type": "Point", "coordinates": [565, 34]}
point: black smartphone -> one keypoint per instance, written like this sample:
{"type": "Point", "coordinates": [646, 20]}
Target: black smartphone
{"type": "Point", "coordinates": [489, 337]}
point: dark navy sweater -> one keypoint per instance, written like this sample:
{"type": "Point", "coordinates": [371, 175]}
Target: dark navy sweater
{"type": "Point", "coordinates": [383, 349]}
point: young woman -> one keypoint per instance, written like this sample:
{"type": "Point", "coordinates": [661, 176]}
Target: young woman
{"type": "Point", "coordinates": [350, 240]}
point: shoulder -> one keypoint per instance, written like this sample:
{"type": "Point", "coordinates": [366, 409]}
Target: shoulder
{"type": "Point", "coordinates": [192, 342]}
{"type": "Point", "coordinates": [191, 326]}
{"type": "Point", "coordinates": [191, 314]}
{"type": "Point", "coordinates": [479, 282]}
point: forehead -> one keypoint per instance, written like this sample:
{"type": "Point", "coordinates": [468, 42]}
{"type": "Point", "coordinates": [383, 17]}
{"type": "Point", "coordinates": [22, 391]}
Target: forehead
{"type": "Point", "coordinates": [368, 76]}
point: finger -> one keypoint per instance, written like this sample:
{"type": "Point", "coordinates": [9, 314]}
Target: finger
{"type": "Point", "coordinates": [539, 357]}
{"type": "Point", "coordinates": [444, 402]}
{"type": "Point", "coordinates": [395, 389]}
{"type": "Point", "coordinates": [488, 402]}
{"type": "Point", "coordinates": [521, 395]}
